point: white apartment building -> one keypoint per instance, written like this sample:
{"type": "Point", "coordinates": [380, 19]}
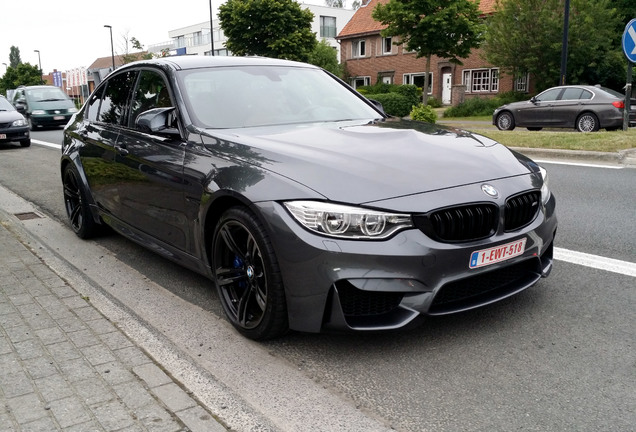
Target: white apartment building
{"type": "Point", "coordinates": [195, 39]}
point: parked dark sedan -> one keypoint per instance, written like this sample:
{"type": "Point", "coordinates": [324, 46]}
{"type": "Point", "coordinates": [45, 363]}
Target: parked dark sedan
{"type": "Point", "coordinates": [584, 108]}
{"type": "Point", "coordinates": [13, 125]}
{"type": "Point", "coordinates": [306, 206]}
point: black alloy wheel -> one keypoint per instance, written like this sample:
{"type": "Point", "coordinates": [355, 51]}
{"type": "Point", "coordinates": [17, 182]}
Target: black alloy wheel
{"type": "Point", "coordinates": [505, 121]}
{"type": "Point", "coordinates": [587, 122]}
{"type": "Point", "coordinates": [77, 210]}
{"type": "Point", "coordinates": [247, 276]}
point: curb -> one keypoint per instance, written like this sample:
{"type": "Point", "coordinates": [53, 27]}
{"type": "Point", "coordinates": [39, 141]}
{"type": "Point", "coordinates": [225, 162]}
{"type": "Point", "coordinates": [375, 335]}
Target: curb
{"type": "Point", "coordinates": [623, 157]}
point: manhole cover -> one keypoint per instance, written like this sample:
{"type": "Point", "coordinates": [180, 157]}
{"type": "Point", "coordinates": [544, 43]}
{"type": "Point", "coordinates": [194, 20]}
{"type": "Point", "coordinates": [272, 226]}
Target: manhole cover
{"type": "Point", "coordinates": [27, 216]}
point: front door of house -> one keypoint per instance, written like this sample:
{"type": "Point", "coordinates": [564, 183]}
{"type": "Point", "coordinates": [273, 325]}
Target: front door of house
{"type": "Point", "coordinates": [446, 88]}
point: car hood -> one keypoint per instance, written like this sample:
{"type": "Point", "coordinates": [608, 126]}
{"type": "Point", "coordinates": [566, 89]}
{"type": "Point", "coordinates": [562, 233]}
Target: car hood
{"type": "Point", "coordinates": [356, 163]}
{"type": "Point", "coordinates": [10, 116]}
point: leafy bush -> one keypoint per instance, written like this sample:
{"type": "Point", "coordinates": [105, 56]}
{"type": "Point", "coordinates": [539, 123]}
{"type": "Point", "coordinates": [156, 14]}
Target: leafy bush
{"type": "Point", "coordinates": [434, 102]}
{"type": "Point", "coordinates": [478, 106]}
{"type": "Point", "coordinates": [394, 103]}
{"type": "Point", "coordinates": [424, 113]}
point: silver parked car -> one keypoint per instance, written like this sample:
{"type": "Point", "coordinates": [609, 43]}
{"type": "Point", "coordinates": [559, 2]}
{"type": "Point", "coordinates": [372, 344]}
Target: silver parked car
{"type": "Point", "coordinates": [306, 206]}
{"type": "Point", "coordinates": [585, 108]}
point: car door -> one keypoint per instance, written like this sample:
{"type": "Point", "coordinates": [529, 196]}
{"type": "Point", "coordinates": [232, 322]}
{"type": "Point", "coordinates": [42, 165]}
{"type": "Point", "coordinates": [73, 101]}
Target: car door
{"type": "Point", "coordinates": [151, 196]}
{"type": "Point", "coordinates": [567, 108]}
{"type": "Point", "coordinates": [538, 111]}
{"type": "Point", "coordinates": [98, 129]}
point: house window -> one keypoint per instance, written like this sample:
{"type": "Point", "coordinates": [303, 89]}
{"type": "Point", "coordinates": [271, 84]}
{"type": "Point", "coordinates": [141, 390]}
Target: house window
{"type": "Point", "coordinates": [328, 27]}
{"type": "Point", "coordinates": [387, 45]}
{"type": "Point", "coordinates": [197, 38]}
{"type": "Point", "coordinates": [179, 41]}
{"type": "Point", "coordinates": [481, 80]}
{"type": "Point", "coordinates": [359, 48]}
{"type": "Point", "coordinates": [360, 81]}
{"type": "Point", "coordinates": [521, 83]}
{"type": "Point", "coordinates": [418, 80]}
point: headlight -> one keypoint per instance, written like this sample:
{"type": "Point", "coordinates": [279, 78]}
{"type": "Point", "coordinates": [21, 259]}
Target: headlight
{"type": "Point", "coordinates": [545, 190]}
{"type": "Point", "coordinates": [38, 112]}
{"type": "Point", "coordinates": [21, 122]}
{"type": "Point", "coordinates": [347, 222]}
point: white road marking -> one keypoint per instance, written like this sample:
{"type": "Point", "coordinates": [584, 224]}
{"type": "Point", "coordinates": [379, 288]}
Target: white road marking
{"type": "Point", "coordinates": [581, 164]}
{"type": "Point", "coordinates": [46, 144]}
{"type": "Point", "coordinates": [594, 261]}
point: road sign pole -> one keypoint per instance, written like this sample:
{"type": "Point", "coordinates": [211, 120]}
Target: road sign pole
{"type": "Point", "coordinates": [628, 95]}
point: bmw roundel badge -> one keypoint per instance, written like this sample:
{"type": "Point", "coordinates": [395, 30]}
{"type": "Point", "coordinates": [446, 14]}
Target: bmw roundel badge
{"type": "Point", "coordinates": [490, 190]}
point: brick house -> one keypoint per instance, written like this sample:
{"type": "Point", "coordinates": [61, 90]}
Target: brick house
{"type": "Point", "coordinates": [370, 58]}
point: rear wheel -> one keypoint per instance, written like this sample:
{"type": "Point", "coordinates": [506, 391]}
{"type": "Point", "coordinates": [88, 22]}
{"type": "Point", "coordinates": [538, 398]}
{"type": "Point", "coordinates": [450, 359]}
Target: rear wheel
{"type": "Point", "coordinates": [247, 276]}
{"type": "Point", "coordinates": [505, 121]}
{"type": "Point", "coordinates": [587, 122]}
{"type": "Point", "coordinates": [75, 202]}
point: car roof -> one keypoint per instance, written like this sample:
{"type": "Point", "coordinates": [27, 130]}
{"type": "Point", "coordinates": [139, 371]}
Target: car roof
{"type": "Point", "coordinates": [196, 61]}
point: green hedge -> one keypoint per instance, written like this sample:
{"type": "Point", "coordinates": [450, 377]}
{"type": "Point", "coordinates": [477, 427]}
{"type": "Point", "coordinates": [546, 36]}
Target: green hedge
{"type": "Point", "coordinates": [478, 106]}
{"type": "Point", "coordinates": [393, 103]}
{"type": "Point", "coordinates": [424, 113]}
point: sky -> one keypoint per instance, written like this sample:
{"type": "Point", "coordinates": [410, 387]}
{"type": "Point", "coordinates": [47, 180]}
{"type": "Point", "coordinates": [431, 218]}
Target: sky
{"type": "Point", "coordinates": [70, 33]}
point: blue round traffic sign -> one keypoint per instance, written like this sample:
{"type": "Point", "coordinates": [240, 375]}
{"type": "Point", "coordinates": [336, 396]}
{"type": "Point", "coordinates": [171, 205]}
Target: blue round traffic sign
{"type": "Point", "coordinates": [629, 41]}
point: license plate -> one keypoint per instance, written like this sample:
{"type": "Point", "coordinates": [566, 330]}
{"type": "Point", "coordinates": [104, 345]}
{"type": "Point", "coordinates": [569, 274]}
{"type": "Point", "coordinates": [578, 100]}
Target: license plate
{"type": "Point", "coordinates": [3, 136]}
{"type": "Point", "coordinates": [58, 117]}
{"type": "Point", "coordinates": [497, 254]}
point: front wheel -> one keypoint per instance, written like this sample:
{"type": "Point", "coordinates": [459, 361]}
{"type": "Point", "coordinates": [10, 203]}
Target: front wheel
{"type": "Point", "coordinates": [587, 122]}
{"type": "Point", "coordinates": [79, 213]}
{"type": "Point", "coordinates": [505, 121]}
{"type": "Point", "coordinates": [247, 276]}
{"type": "Point", "coordinates": [25, 143]}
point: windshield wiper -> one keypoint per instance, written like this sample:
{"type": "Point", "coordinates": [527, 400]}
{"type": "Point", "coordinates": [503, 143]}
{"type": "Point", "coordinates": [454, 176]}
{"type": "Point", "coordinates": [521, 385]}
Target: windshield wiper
{"type": "Point", "coordinates": [50, 100]}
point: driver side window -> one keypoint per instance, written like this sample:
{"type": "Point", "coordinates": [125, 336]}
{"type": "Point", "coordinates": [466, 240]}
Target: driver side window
{"type": "Point", "coordinates": [152, 92]}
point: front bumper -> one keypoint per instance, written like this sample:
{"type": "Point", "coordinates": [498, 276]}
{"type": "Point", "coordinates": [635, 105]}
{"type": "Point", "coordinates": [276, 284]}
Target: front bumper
{"type": "Point", "coordinates": [381, 285]}
{"type": "Point", "coordinates": [50, 120]}
{"type": "Point", "coordinates": [20, 133]}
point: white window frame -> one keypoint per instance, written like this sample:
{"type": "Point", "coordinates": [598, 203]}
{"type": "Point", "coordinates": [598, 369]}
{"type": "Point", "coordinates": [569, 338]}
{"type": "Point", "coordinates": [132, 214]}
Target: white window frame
{"type": "Point", "coordinates": [359, 48]}
{"type": "Point", "coordinates": [522, 83]}
{"type": "Point", "coordinates": [484, 80]}
{"type": "Point", "coordinates": [408, 78]}
{"type": "Point", "coordinates": [365, 79]}
{"type": "Point", "coordinates": [328, 31]}
{"type": "Point", "coordinates": [387, 40]}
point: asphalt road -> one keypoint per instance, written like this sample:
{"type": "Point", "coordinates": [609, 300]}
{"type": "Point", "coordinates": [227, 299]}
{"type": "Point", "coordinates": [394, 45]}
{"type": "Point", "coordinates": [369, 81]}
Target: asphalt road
{"type": "Point", "coordinates": [560, 356]}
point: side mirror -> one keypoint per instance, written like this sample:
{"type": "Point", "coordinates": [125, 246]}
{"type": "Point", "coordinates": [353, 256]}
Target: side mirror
{"type": "Point", "coordinates": [377, 105]}
{"type": "Point", "coordinates": [157, 121]}
{"type": "Point", "coordinates": [533, 99]}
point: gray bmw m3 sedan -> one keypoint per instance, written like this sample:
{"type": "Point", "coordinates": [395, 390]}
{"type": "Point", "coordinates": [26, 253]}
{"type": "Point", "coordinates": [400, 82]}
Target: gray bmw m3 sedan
{"type": "Point", "coordinates": [307, 207]}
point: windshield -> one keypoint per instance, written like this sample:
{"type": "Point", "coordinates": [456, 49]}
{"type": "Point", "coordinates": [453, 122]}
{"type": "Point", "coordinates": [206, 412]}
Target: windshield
{"type": "Point", "coordinates": [248, 96]}
{"type": "Point", "coordinates": [5, 105]}
{"type": "Point", "coordinates": [46, 94]}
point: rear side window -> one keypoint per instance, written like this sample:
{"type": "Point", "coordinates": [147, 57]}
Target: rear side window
{"type": "Point", "coordinates": [115, 98]}
{"type": "Point", "coordinates": [572, 94]}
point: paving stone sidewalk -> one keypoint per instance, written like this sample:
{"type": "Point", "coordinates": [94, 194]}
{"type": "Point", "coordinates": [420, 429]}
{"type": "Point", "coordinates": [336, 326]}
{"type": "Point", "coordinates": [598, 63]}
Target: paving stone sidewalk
{"type": "Point", "coordinates": [64, 367]}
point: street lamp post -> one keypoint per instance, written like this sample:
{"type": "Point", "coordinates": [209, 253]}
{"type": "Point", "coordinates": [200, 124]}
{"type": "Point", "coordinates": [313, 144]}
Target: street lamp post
{"type": "Point", "coordinates": [39, 63]}
{"type": "Point", "coordinates": [211, 31]}
{"type": "Point", "coordinates": [112, 51]}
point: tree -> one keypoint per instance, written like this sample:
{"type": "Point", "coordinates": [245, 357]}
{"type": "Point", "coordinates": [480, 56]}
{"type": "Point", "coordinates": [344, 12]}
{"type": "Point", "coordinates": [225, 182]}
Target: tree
{"type": "Point", "coordinates": [129, 57]}
{"type": "Point", "coordinates": [23, 74]}
{"type": "Point", "coordinates": [14, 57]}
{"type": "Point", "coordinates": [270, 28]}
{"type": "Point", "coordinates": [448, 29]}
{"type": "Point", "coordinates": [326, 57]}
{"type": "Point", "coordinates": [524, 36]}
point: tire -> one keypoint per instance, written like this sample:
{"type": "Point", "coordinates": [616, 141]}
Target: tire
{"type": "Point", "coordinates": [25, 143]}
{"type": "Point", "coordinates": [247, 276]}
{"type": "Point", "coordinates": [31, 125]}
{"type": "Point", "coordinates": [505, 121]}
{"type": "Point", "coordinates": [534, 128]}
{"type": "Point", "coordinates": [587, 122]}
{"type": "Point", "coordinates": [79, 213]}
